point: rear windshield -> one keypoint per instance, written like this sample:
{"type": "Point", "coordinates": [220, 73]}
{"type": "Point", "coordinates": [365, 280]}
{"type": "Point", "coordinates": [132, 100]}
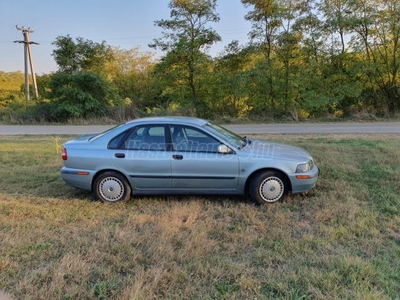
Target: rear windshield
{"type": "Point", "coordinates": [103, 133]}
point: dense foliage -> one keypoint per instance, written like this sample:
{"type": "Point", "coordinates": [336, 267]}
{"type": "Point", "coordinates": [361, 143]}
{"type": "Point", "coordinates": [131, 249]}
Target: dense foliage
{"type": "Point", "coordinates": [304, 59]}
{"type": "Point", "coordinates": [84, 94]}
{"type": "Point", "coordinates": [10, 84]}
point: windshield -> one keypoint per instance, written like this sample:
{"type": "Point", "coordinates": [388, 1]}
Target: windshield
{"type": "Point", "coordinates": [227, 135]}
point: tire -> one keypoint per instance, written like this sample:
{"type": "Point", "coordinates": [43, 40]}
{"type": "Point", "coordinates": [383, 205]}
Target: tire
{"type": "Point", "coordinates": [268, 187]}
{"type": "Point", "coordinates": [111, 187]}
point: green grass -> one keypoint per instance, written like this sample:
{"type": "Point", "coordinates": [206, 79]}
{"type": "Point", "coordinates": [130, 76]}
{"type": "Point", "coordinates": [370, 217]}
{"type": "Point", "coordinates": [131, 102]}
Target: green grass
{"type": "Point", "coordinates": [338, 241]}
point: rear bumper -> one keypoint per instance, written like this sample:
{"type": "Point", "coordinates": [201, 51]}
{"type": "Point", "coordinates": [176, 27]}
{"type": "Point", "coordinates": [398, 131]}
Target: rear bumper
{"type": "Point", "coordinates": [81, 179]}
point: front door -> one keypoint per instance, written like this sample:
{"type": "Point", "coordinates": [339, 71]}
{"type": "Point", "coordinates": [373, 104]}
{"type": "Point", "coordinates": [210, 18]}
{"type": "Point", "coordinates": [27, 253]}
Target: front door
{"type": "Point", "coordinates": [196, 163]}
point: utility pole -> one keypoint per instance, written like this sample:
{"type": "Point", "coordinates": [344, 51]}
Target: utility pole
{"type": "Point", "coordinates": [28, 56]}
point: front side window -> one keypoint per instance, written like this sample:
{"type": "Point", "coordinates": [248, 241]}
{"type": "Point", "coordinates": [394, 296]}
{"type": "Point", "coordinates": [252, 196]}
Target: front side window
{"type": "Point", "coordinates": [148, 137]}
{"type": "Point", "coordinates": [189, 139]}
{"type": "Point", "coordinates": [226, 135]}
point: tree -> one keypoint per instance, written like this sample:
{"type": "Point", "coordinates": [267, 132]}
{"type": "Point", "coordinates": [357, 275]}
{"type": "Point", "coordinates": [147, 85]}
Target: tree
{"type": "Point", "coordinates": [336, 13]}
{"type": "Point", "coordinates": [80, 95]}
{"type": "Point", "coordinates": [82, 55]}
{"type": "Point", "coordinates": [232, 85]}
{"type": "Point", "coordinates": [310, 27]}
{"type": "Point", "coordinates": [376, 34]}
{"type": "Point", "coordinates": [265, 18]}
{"type": "Point", "coordinates": [186, 37]}
{"type": "Point", "coordinates": [386, 52]}
{"type": "Point", "coordinates": [288, 49]}
{"type": "Point", "coordinates": [80, 88]}
{"type": "Point", "coordinates": [130, 71]}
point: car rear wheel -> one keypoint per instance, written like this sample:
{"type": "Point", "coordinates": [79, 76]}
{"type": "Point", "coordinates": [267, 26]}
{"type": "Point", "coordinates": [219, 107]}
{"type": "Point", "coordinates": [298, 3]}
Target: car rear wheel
{"type": "Point", "coordinates": [112, 187]}
{"type": "Point", "coordinates": [268, 187]}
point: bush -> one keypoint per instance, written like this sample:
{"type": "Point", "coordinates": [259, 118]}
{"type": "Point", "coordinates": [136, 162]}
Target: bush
{"type": "Point", "coordinates": [80, 95]}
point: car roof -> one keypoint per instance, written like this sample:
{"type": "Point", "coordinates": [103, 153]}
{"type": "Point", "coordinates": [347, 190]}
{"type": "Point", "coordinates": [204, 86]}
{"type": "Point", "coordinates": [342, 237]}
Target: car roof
{"type": "Point", "coordinates": [170, 120]}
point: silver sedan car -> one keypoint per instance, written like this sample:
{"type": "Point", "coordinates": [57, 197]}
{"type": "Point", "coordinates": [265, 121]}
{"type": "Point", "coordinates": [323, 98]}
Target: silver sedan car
{"type": "Point", "coordinates": [181, 155]}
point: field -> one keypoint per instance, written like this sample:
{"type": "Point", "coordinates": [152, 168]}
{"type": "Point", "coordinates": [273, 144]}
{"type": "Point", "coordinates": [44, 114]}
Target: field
{"type": "Point", "coordinates": [338, 241]}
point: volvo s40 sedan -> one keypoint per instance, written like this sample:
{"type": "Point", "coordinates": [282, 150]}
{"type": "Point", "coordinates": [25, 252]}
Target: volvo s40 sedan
{"type": "Point", "coordinates": [181, 155]}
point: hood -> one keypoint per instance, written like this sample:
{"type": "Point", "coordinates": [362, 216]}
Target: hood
{"type": "Point", "coordinates": [271, 150]}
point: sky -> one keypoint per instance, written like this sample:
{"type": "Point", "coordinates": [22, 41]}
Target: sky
{"type": "Point", "coordinates": [122, 23]}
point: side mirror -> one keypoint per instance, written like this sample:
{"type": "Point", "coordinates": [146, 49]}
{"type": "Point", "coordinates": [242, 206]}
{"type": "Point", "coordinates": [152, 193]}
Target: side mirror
{"type": "Point", "coordinates": [223, 149]}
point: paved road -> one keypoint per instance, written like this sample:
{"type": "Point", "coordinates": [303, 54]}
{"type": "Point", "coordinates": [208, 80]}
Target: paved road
{"type": "Point", "coordinates": [324, 128]}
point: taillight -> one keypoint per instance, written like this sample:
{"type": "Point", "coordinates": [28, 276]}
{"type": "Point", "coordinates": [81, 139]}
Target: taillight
{"type": "Point", "coordinates": [64, 155]}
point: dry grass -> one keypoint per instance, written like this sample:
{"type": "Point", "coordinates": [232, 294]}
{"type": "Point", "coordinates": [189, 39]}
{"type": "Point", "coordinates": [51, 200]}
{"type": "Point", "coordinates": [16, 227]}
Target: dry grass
{"type": "Point", "coordinates": [339, 241]}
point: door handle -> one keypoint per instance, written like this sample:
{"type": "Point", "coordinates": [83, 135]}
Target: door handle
{"type": "Point", "coordinates": [119, 155]}
{"type": "Point", "coordinates": [177, 157]}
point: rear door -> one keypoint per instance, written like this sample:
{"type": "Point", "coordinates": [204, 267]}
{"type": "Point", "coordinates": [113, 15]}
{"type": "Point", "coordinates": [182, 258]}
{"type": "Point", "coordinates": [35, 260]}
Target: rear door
{"type": "Point", "coordinates": [143, 155]}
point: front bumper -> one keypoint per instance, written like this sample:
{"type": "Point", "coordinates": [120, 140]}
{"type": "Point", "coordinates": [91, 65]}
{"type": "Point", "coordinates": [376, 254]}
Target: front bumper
{"type": "Point", "coordinates": [306, 183]}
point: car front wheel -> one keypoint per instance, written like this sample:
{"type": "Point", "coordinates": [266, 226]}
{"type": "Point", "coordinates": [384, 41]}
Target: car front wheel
{"type": "Point", "coordinates": [268, 187]}
{"type": "Point", "coordinates": [112, 187]}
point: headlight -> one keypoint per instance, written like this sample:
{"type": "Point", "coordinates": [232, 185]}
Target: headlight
{"type": "Point", "coordinates": [305, 167]}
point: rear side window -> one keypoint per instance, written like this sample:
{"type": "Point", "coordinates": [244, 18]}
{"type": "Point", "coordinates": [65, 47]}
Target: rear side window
{"type": "Point", "coordinates": [149, 137]}
{"type": "Point", "coordinates": [116, 141]}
